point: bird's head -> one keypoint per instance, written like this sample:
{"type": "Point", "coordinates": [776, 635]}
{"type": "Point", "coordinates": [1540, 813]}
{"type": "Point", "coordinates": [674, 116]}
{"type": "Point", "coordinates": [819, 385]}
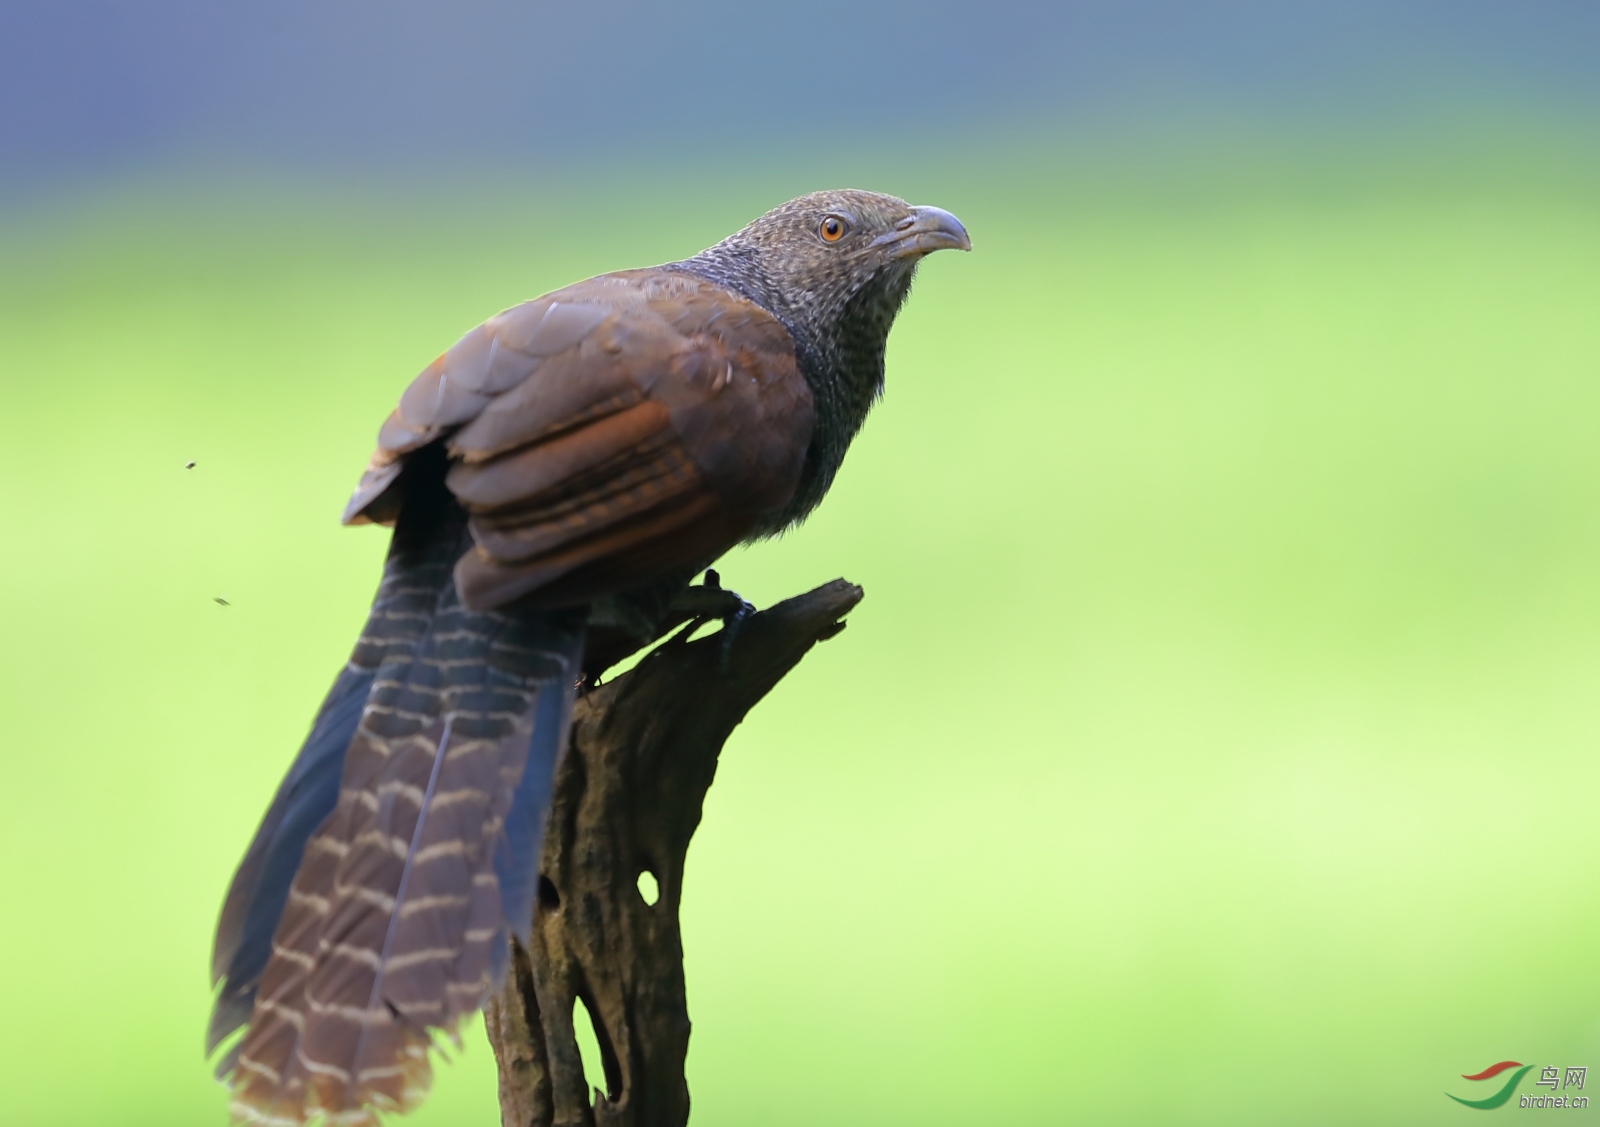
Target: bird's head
{"type": "Point", "coordinates": [833, 263]}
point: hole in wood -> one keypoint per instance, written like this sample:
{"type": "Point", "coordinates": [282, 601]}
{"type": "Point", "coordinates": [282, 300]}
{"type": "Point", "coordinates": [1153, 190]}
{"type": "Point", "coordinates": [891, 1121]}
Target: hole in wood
{"type": "Point", "coordinates": [549, 898]}
{"type": "Point", "coordinates": [601, 1073]}
{"type": "Point", "coordinates": [649, 889]}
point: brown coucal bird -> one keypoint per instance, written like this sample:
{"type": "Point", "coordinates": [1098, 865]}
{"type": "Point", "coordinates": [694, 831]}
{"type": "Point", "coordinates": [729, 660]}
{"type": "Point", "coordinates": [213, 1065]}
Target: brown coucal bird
{"type": "Point", "coordinates": [554, 480]}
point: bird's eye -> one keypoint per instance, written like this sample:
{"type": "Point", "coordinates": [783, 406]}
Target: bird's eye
{"type": "Point", "coordinates": [832, 229]}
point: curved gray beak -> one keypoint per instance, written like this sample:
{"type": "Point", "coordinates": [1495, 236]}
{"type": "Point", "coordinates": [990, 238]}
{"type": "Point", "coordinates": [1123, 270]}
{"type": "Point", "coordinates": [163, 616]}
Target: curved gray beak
{"type": "Point", "coordinates": [924, 231]}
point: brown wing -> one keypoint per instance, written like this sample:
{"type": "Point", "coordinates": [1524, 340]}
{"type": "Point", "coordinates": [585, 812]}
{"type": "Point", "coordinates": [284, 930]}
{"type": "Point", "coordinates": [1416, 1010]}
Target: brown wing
{"type": "Point", "coordinates": [602, 434]}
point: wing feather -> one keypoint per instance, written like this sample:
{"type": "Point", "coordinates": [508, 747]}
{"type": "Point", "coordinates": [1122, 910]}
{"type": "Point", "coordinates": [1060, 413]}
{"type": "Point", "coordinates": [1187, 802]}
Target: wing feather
{"type": "Point", "coordinates": [634, 422]}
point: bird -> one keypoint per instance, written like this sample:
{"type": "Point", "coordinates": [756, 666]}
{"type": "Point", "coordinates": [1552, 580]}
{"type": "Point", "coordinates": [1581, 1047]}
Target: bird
{"type": "Point", "coordinates": [554, 482]}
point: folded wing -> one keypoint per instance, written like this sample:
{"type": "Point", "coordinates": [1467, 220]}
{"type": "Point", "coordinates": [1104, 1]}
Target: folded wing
{"type": "Point", "coordinates": [603, 434]}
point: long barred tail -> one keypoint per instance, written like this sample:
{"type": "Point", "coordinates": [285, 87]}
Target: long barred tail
{"type": "Point", "coordinates": [376, 900]}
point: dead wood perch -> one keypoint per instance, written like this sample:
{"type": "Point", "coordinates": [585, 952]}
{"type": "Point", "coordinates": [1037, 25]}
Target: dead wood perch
{"type": "Point", "coordinates": [627, 799]}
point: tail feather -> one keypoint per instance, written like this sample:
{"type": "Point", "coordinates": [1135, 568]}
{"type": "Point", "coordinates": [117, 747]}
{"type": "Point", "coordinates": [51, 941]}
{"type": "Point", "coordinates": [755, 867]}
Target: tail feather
{"type": "Point", "coordinates": [418, 569]}
{"type": "Point", "coordinates": [517, 855]}
{"type": "Point", "coordinates": [397, 920]}
{"type": "Point", "coordinates": [261, 886]}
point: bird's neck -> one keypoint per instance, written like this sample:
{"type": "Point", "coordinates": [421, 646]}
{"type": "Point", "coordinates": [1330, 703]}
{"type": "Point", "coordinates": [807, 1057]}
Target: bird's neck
{"type": "Point", "coordinates": [843, 365]}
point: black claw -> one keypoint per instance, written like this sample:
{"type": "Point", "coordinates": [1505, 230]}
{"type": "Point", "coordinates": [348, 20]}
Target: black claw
{"type": "Point", "coordinates": [707, 602]}
{"type": "Point", "coordinates": [731, 625]}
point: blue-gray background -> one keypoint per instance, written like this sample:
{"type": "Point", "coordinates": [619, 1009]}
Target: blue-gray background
{"type": "Point", "coordinates": [434, 87]}
{"type": "Point", "coordinates": [1217, 740]}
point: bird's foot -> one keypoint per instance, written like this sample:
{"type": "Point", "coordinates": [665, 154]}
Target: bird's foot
{"type": "Point", "coordinates": [712, 600]}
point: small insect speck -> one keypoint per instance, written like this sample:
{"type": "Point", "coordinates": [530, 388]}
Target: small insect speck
{"type": "Point", "coordinates": [220, 601]}
{"type": "Point", "coordinates": [188, 465]}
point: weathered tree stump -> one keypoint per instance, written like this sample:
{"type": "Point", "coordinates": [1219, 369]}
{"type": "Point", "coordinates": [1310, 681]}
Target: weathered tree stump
{"type": "Point", "coordinates": [627, 798]}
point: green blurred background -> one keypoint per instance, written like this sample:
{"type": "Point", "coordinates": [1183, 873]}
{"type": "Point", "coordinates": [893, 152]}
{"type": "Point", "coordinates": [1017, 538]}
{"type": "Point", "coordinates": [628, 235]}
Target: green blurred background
{"type": "Point", "coordinates": [1216, 743]}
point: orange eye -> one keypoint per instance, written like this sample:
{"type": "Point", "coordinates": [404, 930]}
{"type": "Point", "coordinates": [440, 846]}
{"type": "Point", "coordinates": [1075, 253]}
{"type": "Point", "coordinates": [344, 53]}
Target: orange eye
{"type": "Point", "coordinates": [833, 229]}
